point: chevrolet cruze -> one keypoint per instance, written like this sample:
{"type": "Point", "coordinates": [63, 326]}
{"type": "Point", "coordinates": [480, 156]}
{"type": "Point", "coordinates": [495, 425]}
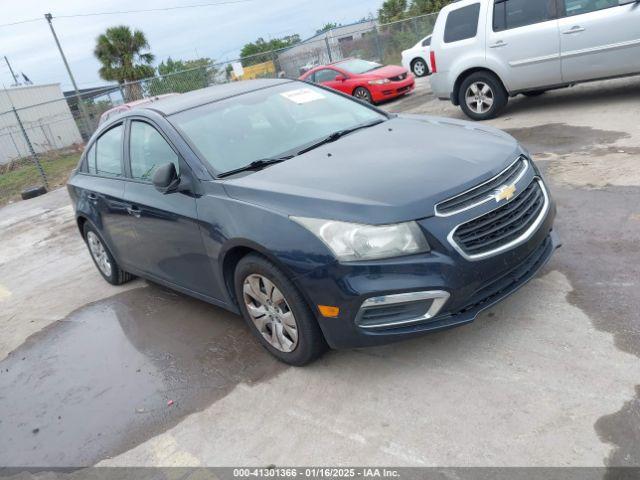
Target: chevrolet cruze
{"type": "Point", "coordinates": [322, 220]}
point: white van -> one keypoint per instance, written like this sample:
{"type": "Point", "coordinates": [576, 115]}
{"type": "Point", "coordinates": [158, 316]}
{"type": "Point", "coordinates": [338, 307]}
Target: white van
{"type": "Point", "coordinates": [485, 51]}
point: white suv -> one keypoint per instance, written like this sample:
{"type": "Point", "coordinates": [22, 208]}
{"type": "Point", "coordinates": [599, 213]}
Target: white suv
{"type": "Point", "coordinates": [484, 51]}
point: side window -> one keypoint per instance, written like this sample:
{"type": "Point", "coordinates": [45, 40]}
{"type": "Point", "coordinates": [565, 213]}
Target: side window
{"type": "Point", "coordinates": [109, 153]}
{"type": "Point", "coordinates": [90, 160]}
{"type": "Point", "coordinates": [509, 14]}
{"type": "Point", "coordinates": [325, 75]}
{"type": "Point", "coordinates": [578, 7]}
{"type": "Point", "coordinates": [426, 42]}
{"type": "Point", "coordinates": [148, 150]}
{"type": "Point", "coordinates": [462, 23]}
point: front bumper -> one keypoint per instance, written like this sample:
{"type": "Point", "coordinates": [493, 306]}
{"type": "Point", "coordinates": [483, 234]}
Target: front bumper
{"type": "Point", "coordinates": [392, 89]}
{"type": "Point", "coordinates": [472, 286]}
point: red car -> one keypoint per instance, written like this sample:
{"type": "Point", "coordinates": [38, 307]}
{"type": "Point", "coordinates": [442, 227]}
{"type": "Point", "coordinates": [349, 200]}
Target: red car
{"type": "Point", "coordinates": [365, 80]}
{"type": "Point", "coordinates": [125, 107]}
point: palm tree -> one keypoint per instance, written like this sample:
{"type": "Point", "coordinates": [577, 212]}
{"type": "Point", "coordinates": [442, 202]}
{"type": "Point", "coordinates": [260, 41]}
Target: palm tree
{"type": "Point", "coordinates": [123, 59]}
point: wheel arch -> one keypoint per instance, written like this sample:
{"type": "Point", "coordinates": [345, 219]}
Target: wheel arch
{"type": "Point", "coordinates": [470, 71]}
{"type": "Point", "coordinates": [236, 251]}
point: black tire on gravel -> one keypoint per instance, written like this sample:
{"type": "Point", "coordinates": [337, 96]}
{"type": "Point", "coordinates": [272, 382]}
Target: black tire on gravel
{"type": "Point", "coordinates": [497, 92]}
{"type": "Point", "coordinates": [311, 343]}
{"type": "Point", "coordinates": [32, 192]}
{"type": "Point", "coordinates": [118, 276]}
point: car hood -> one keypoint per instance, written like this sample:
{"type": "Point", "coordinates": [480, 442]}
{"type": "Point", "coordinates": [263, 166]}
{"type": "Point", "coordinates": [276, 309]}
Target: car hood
{"type": "Point", "coordinates": [385, 72]}
{"type": "Point", "coordinates": [392, 172]}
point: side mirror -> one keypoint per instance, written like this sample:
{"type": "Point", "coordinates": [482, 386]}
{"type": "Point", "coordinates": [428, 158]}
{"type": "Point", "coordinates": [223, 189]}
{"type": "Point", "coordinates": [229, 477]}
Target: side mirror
{"type": "Point", "coordinates": [340, 78]}
{"type": "Point", "coordinates": [166, 179]}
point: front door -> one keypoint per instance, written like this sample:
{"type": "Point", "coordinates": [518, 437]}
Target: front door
{"type": "Point", "coordinates": [599, 39]}
{"type": "Point", "coordinates": [169, 242]}
{"type": "Point", "coordinates": [327, 77]}
{"type": "Point", "coordinates": [523, 38]}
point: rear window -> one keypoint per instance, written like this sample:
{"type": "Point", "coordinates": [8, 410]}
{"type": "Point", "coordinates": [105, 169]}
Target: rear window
{"type": "Point", "coordinates": [462, 23]}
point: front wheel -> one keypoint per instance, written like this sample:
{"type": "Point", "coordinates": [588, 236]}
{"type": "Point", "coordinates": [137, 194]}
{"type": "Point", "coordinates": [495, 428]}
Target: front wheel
{"type": "Point", "coordinates": [276, 312]}
{"type": "Point", "coordinates": [363, 94]}
{"type": "Point", "coordinates": [419, 67]}
{"type": "Point", "coordinates": [482, 96]}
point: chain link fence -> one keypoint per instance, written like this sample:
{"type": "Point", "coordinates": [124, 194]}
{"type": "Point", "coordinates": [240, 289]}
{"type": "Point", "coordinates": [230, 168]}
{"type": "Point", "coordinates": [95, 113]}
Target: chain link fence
{"type": "Point", "coordinates": [42, 133]}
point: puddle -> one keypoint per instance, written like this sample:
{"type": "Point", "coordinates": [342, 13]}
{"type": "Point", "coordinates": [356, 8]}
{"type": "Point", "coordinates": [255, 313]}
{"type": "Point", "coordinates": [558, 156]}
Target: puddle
{"type": "Point", "coordinates": [100, 382]}
{"type": "Point", "coordinates": [563, 139]}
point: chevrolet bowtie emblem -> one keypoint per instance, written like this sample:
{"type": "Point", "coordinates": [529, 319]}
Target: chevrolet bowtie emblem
{"type": "Point", "coordinates": [505, 192]}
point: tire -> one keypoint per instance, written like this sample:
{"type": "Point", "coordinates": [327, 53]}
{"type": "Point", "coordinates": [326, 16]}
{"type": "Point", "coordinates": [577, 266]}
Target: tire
{"type": "Point", "coordinates": [534, 93]}
{"type": "Point", "coordinates": [114, 275]}
{"type": "Point", "coordinates": [480, 88]}
{"type": "Point", "coordinates": [32, 192]}
{"type": "Point", "coordinates": [363, 94]}
{"type": "Point", "coordinates": [285, 311]}
{"type": "Point", "coordinates": [419, 67]}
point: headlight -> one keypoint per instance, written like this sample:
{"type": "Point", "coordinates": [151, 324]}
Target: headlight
{"type": "Point", "coordinates": [382, 81]}
{"type": "Point", "coordinates": [353, 241]}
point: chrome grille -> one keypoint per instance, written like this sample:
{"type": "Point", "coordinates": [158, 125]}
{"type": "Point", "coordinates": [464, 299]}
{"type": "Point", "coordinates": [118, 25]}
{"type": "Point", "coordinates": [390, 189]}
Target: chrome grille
{"type": "Point", "coordinates": [502, 227]}
{"type": "Point", "coordinates": [483, 192]}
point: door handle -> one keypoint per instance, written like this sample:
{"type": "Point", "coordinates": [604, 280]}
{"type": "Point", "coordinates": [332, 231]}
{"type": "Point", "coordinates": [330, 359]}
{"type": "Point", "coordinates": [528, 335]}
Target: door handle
{"type": "Point", "coordinates": [575, 29]}
{"type": "Point", "coordinates": [498, 44]}
{"type": "Point", "coordinates": [134, 211]}
{"type": "Point", "coordinates": [93, 197]}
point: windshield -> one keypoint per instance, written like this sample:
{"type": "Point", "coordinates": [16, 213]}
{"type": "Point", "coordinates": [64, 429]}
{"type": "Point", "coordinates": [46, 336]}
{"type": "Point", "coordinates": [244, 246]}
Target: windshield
{"type": "Point", "coordinates": [268, 123]}
{"type": "Point", "coordinates": [357, 66]}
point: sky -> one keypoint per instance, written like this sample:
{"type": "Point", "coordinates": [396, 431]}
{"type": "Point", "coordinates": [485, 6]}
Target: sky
{"type": "Point", "coordinates": [217, 32]}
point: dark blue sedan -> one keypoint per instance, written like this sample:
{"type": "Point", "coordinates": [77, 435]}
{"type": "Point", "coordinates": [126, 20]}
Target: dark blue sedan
{"type": "Point", "coordinates": [322, 220]}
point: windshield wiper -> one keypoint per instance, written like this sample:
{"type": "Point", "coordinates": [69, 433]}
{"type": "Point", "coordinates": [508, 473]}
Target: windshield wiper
{"type": "Point", "coordinates": [339, 134]}
{"type": "Point", "coordinates": [256, 165]}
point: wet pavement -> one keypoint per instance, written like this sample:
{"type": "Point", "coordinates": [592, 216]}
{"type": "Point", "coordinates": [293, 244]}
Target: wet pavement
{"type": "Point", "coordinates": [118, 372]}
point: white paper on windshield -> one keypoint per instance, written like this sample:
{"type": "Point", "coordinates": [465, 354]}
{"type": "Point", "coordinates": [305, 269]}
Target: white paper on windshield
{"type": "Point", "coordinates": [302, 95]}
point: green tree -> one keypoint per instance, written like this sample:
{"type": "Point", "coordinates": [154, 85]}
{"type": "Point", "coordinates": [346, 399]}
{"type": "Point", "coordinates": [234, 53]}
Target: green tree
{"type": "Point", "coordinates": [392, 10]}
{"type": "Point", "coordinates": [180, 76]}
{"type": "Point", "coordinates": [253, 49]}
{"type": "Point", "coordinates": [327, 27]}
{"type": "Point", "coordinates": [423, 7]}
{"type": "Point", "coordinates": [169, 66]}
{"type": "Point", "coordinates": [124, 55]}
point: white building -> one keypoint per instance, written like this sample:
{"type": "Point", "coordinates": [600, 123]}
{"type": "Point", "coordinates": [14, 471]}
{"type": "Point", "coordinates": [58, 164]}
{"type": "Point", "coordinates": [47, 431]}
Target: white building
{"type": "Point", "coordinates": [45, 115]}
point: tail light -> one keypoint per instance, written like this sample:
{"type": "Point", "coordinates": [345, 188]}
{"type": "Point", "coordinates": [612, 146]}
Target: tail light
{"type": "Point", "coordinates": [432, 58]}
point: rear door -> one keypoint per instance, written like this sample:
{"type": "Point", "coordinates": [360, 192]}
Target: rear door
{"type": "Point", "coordinates": [523, 38]}
{"type": "Point", "coordinates": [599, 39]}
{"type": "Point", "coordinates": [169, 244]}
{"type": "Point", "coordinates": [103, 192]}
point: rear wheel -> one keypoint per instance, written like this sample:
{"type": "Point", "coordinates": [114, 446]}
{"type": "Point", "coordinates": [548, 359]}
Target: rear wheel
{"type": "Point", "coordinates": [107, 265]}
{"type": "Point", "coordinates": [419, 67]}
{"type": "Point", "coordinates": [482, 96]}
{"type": "Point", "coordinates": [276, 312]}
{"type": "Point", "coordinates": [363, 94]}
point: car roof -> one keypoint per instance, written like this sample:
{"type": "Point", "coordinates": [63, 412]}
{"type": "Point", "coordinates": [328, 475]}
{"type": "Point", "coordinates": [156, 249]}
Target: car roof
{"type": "Point", "coordinates": [185, 101]}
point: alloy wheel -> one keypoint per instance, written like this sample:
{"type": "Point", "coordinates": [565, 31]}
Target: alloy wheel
{"type": "Point", "coordinates": [362, 94]}
{"type": "Point", "coordinates": [270, 312]}
{"type": "Point", "coordinates": [479, 97]}
{"type": "Point", "coordinates": [419, 68]}
{"type": "Point", "coordinates": [99, 253]}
